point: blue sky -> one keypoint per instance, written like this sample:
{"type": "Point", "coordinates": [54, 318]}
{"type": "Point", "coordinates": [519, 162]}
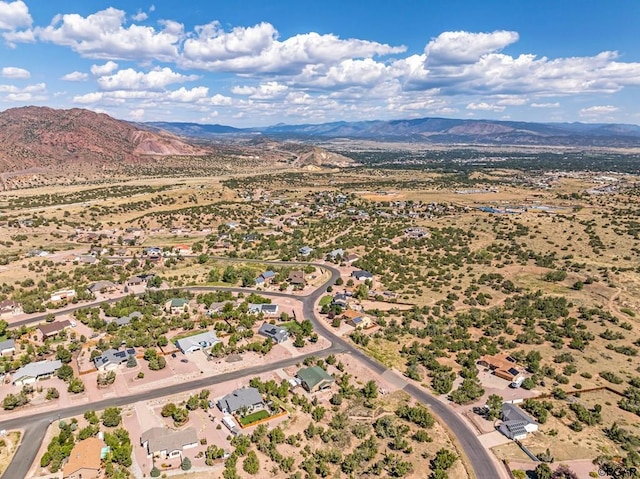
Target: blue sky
{"type": "Point", "coordinates": [253, 63]}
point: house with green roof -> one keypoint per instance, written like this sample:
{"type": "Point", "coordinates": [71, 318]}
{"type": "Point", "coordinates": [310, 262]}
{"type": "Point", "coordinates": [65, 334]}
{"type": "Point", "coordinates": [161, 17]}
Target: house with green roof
{"type": "Point", "coordinates": [315, 378]}
{"type": "Point", "coordinates": [176, 305]}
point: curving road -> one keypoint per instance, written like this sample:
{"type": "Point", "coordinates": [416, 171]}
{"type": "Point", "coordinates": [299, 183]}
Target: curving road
{"type": "Point", "coordinates": [482, 463]}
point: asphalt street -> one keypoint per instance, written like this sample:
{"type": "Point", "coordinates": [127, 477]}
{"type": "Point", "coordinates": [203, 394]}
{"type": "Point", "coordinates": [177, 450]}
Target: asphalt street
{"type": "Point", "coordinates": [34, 426]}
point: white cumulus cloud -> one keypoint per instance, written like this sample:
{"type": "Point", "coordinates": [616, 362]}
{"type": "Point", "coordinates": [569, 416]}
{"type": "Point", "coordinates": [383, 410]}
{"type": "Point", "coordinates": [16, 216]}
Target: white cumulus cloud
{"type": "Point", "coordinates": [104, 69]}
{"type": "Point", "coordinates": [14, 15]}
{"type": "Point", "coordinates": [258, 49]}
{"type": "Point", "coordinates": [263, 91]}
{"type": "Point", "coordinates": [454, 48]}
{"type": "Point", "coordinates": [139, 16]}
{"type": "Point", "coordinates": [598, 110]}
{"type": "Point", "coordinates": [130, 79]}
{"type": "Point", "coordinates": [485, 106]}
{"type": "Point", "coordinates": [545, 105]}
{"type": "Point", "coordinates": [104, 34]}
{"type": "Point", "coordinates": [75, 76]}
{"type": "Point", "coordinates": [15, 72]}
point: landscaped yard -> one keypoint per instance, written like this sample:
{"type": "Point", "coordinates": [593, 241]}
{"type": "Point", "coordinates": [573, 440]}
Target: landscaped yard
{"type": "Point", "coordinates": [254, 417]}
{"type": "Point", "coordinates": [326, 300]}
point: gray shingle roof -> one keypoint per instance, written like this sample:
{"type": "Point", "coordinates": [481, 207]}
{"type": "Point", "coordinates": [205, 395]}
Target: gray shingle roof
{"type": "Point", "coordinates": [113, 356]}
{"type": "Point", "coordinates": [35, 370]}
{"type": "Point", "coordinates": [161, 439]}
{"type": "Point", "coordinates": [7, 344]}
{"type": "Point", "coordinates": [277, 333]}
{"type": "Point", "coordinates": [240, 398]}
{"type": "Point", "coordinates": [511, 412]}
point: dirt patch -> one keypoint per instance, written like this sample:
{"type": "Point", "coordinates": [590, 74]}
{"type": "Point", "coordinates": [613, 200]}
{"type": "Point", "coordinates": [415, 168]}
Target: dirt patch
{"type": "Point", "coordinates": [8, 446]}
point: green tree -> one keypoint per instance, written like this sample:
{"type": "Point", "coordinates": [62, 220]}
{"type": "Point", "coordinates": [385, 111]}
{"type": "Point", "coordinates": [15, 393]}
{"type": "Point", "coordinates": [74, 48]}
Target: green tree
{"type": "Point", "coordinates": [76, 386]}
{"type": "Point", "coordinates": [63, 354]}
{"type": "Point", "coordinates": [192, 403]}
{"type": "Point", "coordinates": [186, 464]}
{"type": "Point", "coordinates": [251, 463]}
{"type": "Point", "coordinates": [543, 471]}
{"type": "Point", "coordinates": [52, 393]}
{"type": "Point", "coordinates": [65, 372]}
{"type": "Point", "coordinates": [370, 390]}
{"type": "Point", "coordinates": [111, 417]}
{"type": "Point", "coordinates": [168, 409]}
{"type": "Point", "coordinates": [91, 417]}
{"type": "Point", "coordinates": [494, 403]}
{"type": "Point", "coordinates": [318, 413]}
{"type": "Point", "coordinates": [230, 275]}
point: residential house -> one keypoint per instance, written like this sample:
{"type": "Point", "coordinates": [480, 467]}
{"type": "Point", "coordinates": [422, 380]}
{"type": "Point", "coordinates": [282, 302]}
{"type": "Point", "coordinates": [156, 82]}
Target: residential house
{"type": "Point", "coordinates": [352, 258]}
{"type": "Point", "coordinates": [266, 309]}
{"type": "Point", "coordinates": [30, 373]}
{"type": "Point", "coordinates": [37, 253]}
{"type": "Point", "coordinates": [124, 320]}
{"type": "Point", "coordinates": [167, 444]}
{"type": "Point", "coordinates": [176, 305]}
{"type": "Point", "coordinates": [339, 299]}
{"type": "Point", "coordinates": [9, 309]}
{"type": "Point", "coordinates": [232, 225]}
{"type": "Point", "coordinates": [86, 259]}
{"type": "Point", "coordinates": [197, 342]}
{"type": "Point", "coordinates": [244, 399]}
{"type": "Point", "coordinates": [361, 275]}
{"type": "Point", "coordinates": [102, 287]}
{"type": "Point", "coordinates": [357, 319]}
{"type": "Point", "coordinates": [182, 249]}
{"type": "Point", "coordinates": [516, 423]}
{"type": "Point", "coordinates": [416, 233]}
{"type": "Point", "coordinates": [276, 333]}
{"type": "Point", "coordinates": [501, 365]}
{"type": "Point", "coordinates": [135, 281]}
{"type": "Point", "coordinates": [62, 295]}
{"type": "Point", "coordinates": [219, 307]}
{"type": "Point", "coordinates": [314, 378]}
{"type": "Point", "coordinates": [85, 460]}
{"type": "Point", "coordinates": [265, 278]}
{"type": "Point", "coordinates": [7, 347]}
{"type": "Point", "coordinates": [335, 253]}
{"type": "Point", "coordinates": [296, 278]}
{"type": "Point", "coordinates": [112, 358]}
{"type": "Point", "coordinates": [305, 250]}
{"type": "Point", "coordinates": [152, 251]}
{"type": "Point", "coordinates": [49, 330]}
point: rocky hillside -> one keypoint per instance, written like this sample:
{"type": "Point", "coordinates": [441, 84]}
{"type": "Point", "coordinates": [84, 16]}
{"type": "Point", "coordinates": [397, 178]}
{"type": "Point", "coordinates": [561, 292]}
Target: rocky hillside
{"type": "Point", "coordinates": [62, 140]}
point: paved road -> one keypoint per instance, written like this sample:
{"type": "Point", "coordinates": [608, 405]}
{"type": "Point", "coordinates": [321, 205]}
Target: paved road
{"type": "Point", "coordinates": [480, 459]}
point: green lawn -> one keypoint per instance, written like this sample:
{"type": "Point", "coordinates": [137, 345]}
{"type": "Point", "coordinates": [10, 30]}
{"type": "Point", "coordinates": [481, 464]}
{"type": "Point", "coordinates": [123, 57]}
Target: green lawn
{"type": "Point", "coordinates": [251, 418]}
{"type": "Point", "coordinates": [326, 300]}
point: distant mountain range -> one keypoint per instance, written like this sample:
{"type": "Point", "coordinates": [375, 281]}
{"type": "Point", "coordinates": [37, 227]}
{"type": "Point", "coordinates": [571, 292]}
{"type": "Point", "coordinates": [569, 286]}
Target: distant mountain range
{"type": "Point", "coordinates": [69, 141]}
{"type": "Point", "coordinates": [436, 131]}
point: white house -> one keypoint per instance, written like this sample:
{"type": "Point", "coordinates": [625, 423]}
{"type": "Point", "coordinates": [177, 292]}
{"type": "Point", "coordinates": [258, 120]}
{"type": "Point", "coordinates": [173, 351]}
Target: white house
{"type": "Point", "coordinates": [516, 423]}
{"type": "Point", "coordinates": [30, 373]}
{"type": "Point", "coordinates": [62, 295]}
{"type": "Point", "coordinates": [7, 347]}
{"type": "Point", "coordinates": [197, 342]}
